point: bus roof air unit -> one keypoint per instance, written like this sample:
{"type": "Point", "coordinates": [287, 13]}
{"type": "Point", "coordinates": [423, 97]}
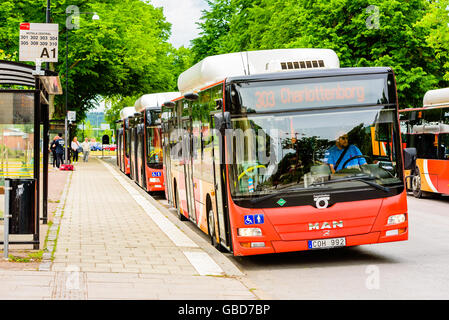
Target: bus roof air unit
{"type": "Point", "coordinates": [276, 66]}
{"type": "Point", "coordinates": [154, 100]}
{"type": "Point", "coordinates": [437, 97]}
{"type": "Point", "coordinates": [214, 69]}
{"type": "Point", "coordinates": [127, 112]}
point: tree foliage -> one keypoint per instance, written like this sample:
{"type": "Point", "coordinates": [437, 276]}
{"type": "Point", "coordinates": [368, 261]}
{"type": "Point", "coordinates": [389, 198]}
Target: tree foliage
{"type": "Point", "coordinates": [409, 36]}
{"type": "Point", "coordinates": [125, 53]}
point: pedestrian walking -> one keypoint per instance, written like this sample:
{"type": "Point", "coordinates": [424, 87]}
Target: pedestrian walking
{"type": "Point", "coordinates": [58, 145]}
{"type": "Point", "coordinates": [76, 148]}
{"type": "Point", "coordinates": [53, 150]}
{"type": "Point", "coordinates": [86, 149]}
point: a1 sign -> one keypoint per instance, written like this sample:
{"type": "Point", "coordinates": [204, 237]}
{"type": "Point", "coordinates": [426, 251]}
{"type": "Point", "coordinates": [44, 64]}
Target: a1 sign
{"type": "Point", "coordinates": [38, 41]}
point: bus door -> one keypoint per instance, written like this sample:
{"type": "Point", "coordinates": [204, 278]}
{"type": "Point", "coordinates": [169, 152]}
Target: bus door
{"type": "Point", "coordinates": [132, 154]}
{"type": "Point", "coordinates": [119, 148]}
{"type": "Point", "coordinates": [117, 134]}
{"type": "Point", "coordinates": [188, 166]}
{"type": "Point", "coordinates": [166, 161]}
{"type": "Point", "coordinates": [140, 156]}
{"type": "Point", "coordinates": [219, 184]}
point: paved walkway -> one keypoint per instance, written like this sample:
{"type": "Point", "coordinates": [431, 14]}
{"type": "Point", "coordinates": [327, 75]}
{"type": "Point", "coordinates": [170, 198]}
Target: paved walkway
{"type": "Point", "coordinates": [114, 242]}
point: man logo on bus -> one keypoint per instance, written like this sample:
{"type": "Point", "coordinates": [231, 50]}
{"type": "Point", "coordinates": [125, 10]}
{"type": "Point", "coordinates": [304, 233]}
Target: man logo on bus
{"type": "Point", "coordinates": [321, 201]}
{"type": "Point", "coordinates": [325, 225]}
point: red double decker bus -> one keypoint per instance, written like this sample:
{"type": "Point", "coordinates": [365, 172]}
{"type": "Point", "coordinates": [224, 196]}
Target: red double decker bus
{"type": "Point", "coordinates": [275, 150]}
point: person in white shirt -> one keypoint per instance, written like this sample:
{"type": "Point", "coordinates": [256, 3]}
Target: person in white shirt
{"type": "Point", "coordinates": [86, 149]}
{"type": "Point", "coordinates": [76, 147]}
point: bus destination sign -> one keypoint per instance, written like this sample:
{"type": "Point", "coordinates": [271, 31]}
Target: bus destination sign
{"type": "Point", "coordinates": [305, 95]}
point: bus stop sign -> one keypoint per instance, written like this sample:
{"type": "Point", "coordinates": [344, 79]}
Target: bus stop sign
{"type": "Point", "coordinates": [38, 41]}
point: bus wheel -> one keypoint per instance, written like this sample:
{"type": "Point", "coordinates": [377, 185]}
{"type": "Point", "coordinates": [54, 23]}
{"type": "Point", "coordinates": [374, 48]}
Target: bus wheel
{"type": "Point", "coordinates": [178, 209]}
{"type": "Point", "coordinates": [212, 234]}
{"type": "Point", "coordinates": [416, 184]}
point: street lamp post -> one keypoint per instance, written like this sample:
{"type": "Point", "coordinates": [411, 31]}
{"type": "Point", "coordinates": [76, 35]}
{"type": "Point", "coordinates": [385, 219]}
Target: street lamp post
{"type": "Point", "coordinates": [94, 17]}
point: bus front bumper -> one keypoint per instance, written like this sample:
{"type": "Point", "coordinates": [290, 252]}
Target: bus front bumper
{"type": "Point", "coordinates": [278, 246]}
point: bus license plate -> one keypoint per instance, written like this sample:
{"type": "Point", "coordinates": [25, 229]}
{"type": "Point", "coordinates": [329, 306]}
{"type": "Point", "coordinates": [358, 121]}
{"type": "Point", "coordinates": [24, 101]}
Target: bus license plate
{"type": "Point", "coordinates": [327, 243]}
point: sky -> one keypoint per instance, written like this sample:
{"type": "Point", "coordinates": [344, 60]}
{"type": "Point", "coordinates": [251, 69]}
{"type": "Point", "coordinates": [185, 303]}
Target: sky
{"type": "Point", "coordinates": [182, 14]}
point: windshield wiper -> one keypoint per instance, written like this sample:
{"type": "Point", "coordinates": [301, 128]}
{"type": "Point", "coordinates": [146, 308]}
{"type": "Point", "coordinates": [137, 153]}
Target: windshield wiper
{"type": "Point", "coordinates": [274, 194]}
{"type": "Point", "coordinates": [352, 178]}
{"type": "Point", "coordinates": [356, 178]}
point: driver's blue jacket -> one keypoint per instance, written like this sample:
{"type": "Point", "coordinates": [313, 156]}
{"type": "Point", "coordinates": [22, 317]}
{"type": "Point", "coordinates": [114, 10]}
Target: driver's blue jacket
{"type": "Point", "coordinates": [331, 156]}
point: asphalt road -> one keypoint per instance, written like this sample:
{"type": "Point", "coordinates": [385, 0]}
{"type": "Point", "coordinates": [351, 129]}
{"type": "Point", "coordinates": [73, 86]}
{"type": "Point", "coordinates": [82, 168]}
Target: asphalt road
{"type": "Point", "coordinates": [413, 269]}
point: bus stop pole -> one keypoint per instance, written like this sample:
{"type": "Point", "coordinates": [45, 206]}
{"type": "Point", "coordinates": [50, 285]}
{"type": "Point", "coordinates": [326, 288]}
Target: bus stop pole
{"type": "Point", "coordinates": [6, 220]}
{"type": "Point", "coordinates": [66, 151]}
{"type": "Point", "coordinates": [45, 115]}
{"type": "Point", "coordinates": [36, 161]}
{"type": "Point", "coordinates": [46, 137]}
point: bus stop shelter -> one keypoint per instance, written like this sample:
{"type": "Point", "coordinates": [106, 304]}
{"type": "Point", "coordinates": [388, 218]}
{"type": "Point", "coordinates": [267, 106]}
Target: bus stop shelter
{"type": "Point", "coordinates": [24, 127]}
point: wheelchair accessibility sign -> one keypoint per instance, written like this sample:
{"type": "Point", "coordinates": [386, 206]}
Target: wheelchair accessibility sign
{"type": "Point", "coordinates": [254, 219]}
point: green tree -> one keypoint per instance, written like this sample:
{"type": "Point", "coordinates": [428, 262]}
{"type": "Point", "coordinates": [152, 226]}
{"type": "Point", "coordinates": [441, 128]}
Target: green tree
{"type": "Point", "coordinates": [400, 36]}
{"type": "Point", "coordinates": [88, 131]}
{"type": "Point", "coordinates": [214, 26]}
{"type": "Point", "coordinates": [115, 104]}
{"type": "Point", "coordinates": [125, 53]}
{"type": "Point", "coordinates": [436, 21]}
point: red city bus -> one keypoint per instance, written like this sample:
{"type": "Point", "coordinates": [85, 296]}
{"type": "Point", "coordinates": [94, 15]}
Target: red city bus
{"type": "Point", "coordinates": [148, 160]}
{"type": "Point", "coordinates": [119, 135]}
{"type": "Point", "coordinates": [427, 130]}
{"type": "Point", "coordinates": [249, 151]}
{"type": "Point", "coordinates": [125, 141]}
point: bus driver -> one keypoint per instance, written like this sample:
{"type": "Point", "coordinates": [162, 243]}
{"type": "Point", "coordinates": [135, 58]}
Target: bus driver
{"type": "Point", "coordinates": [337, 156]}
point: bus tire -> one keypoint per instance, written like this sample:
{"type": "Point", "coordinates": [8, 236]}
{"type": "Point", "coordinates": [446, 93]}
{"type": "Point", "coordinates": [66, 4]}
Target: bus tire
{"type": "Point", "coordinates": [211, 229]}
{"type": "Point", "coordinates": [416, 184]}
{"type": "Point", "coordinates": [181, 217]}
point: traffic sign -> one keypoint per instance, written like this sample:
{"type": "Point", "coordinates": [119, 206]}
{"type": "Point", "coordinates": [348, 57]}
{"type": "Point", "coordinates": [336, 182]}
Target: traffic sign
{"type": "Point", "coordinates": [38, 41]}
{"type": "Point", "coordinates": [71, 115]}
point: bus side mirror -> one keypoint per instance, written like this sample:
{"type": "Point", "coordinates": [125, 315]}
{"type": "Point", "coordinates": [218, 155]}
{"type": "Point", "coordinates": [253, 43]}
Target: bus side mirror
{"type": "Point", "coordinates": [218, 104]}
{"type": "Point", "coordinates": [169, 104]}
{"type": "Point", "coordinates": [222, 120]}
{"type": "Point", "coordinates": [191, 96]}
{"type": "Point", "coordinates": [409, 158]}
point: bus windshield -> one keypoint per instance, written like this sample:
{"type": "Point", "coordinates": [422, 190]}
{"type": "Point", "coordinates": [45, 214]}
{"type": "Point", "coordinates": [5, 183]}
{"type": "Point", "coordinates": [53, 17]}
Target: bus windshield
{"type": "Point", "coordinates": [427, 130]}
{"type": "Point", "coordinates": [322, 149]}
{"type": "Point", "coordinates": [154, 145]}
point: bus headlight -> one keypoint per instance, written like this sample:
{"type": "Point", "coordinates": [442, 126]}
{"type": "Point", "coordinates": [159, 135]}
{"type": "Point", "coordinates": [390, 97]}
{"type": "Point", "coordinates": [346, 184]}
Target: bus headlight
{"type": "Point", "coordinates": [249, 232]}
{"type": "Point", "coordinates": [396, 219]}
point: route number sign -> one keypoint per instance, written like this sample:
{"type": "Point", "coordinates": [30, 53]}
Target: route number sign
{"type": "Point", "coordinates": [71, 115]}
{"type": "Point", "coordinates": [38, 41]}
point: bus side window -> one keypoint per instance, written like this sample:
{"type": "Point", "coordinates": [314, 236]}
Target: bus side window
{"type": "Point", "coordinates": [443, 149]}
{"type": "Point", "coordinates": [426, 148]}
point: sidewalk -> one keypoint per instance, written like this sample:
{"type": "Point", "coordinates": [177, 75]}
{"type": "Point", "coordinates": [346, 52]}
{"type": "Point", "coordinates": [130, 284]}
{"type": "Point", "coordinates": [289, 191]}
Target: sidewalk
{"type": "Point", "coordinates": [115, 242]}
